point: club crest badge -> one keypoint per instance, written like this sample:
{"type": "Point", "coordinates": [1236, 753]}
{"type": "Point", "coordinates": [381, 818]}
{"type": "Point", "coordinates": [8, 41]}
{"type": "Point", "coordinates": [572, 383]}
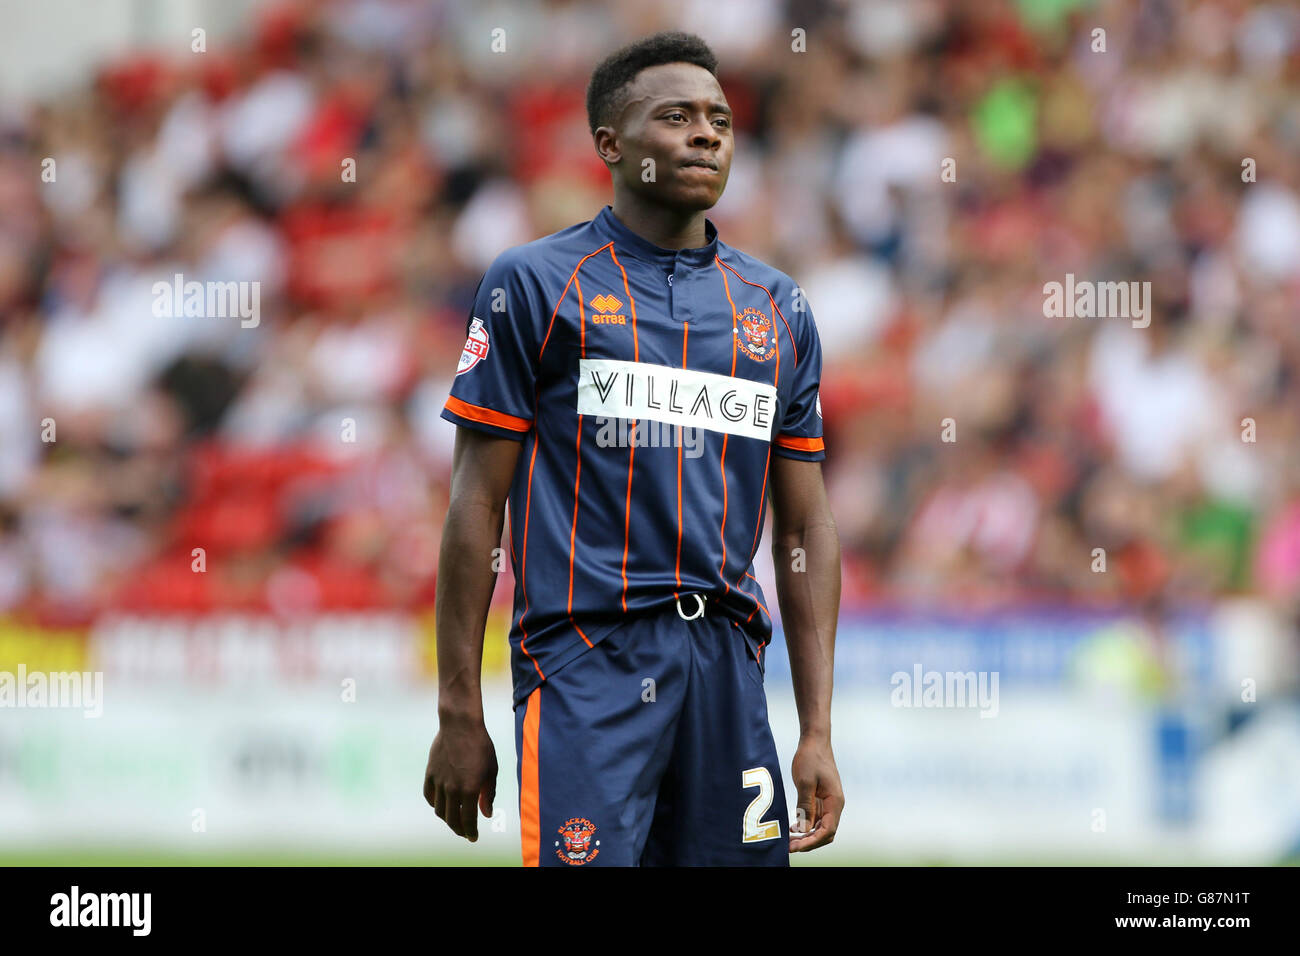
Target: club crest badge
{"type": "Point", "coordinates": [755, 335]}
{"type": "Point", "coordinates": [577, 844]}
{"type": "Point", "coordinates": [476, 346]}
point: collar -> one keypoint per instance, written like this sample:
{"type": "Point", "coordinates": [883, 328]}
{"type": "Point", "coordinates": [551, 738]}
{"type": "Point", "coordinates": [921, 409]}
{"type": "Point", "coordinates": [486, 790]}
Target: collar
{"type": "Point", "coordinates": [610, 227]}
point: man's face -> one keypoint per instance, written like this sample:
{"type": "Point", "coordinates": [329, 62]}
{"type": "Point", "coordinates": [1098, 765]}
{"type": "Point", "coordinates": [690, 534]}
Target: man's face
{"type": "Point", "coordinates": [677, 117]}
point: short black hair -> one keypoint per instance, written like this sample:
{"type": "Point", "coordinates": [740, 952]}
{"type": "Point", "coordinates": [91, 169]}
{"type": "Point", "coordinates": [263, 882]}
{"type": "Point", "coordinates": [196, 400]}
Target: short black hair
{"type": "Point", "coordinates": [606, 93]}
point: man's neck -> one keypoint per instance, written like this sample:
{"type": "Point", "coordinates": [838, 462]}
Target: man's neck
{"type": "Point", "coordinates": [665, 228]}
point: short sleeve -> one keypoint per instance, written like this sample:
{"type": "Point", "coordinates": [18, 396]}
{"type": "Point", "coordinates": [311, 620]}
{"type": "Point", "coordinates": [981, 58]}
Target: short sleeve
{"type": "Point", "coordinates": [800, 434]}
{"type": "Point", "coordinates": [496, 378]}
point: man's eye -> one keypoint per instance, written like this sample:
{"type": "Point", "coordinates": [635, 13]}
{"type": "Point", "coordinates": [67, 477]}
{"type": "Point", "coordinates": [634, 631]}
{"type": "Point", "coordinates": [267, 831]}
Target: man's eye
{"type": "Point", "coordinates": [725, 123]}
{"type": "Point", "coordinates": [674, 115]}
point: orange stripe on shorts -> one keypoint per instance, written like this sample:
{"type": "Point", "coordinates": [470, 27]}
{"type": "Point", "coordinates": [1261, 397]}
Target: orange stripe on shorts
{"type": "Point", "coordinates": [530, 809]}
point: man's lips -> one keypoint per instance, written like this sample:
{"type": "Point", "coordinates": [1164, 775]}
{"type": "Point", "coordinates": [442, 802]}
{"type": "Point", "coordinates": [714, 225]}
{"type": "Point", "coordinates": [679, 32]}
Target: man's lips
{"type": "Point", "coordinates": [702, 165]}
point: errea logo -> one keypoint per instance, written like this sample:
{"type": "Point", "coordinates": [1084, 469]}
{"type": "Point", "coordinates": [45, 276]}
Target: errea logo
{"type": "Point", "coordinates": [607, 305]}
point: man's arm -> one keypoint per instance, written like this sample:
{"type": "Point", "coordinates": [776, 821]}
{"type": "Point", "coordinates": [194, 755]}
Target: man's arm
{"type": "Point", "coordinates": [462, 770]}
{"type": "Point", "coordinates": [808, 593]}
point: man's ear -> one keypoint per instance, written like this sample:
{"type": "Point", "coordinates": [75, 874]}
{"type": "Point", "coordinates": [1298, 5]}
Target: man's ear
{"type": "Point", "coordinates": [607, 145]}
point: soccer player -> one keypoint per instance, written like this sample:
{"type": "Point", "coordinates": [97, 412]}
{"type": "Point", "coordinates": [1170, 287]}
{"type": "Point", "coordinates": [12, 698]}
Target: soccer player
{"type": "Point", "coordinates": [637, 390]}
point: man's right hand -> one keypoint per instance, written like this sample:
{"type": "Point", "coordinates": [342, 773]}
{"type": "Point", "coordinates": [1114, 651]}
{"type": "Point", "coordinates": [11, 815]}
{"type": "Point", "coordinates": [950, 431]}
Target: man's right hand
{"type": "Point", "coordinates": [461, 776]}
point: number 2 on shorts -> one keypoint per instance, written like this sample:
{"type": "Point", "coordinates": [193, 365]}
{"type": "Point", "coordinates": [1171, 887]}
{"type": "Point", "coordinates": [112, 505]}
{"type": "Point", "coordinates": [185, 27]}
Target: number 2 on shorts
{"type": "Point", "coordinates": [755, 830]}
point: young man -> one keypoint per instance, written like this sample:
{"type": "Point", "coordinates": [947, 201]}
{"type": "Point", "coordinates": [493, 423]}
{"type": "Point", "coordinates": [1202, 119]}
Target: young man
{"type": "Point", "coordinates": [637, 390]}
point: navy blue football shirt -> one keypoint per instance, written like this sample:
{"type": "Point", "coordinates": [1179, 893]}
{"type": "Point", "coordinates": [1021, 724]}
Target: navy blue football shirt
{"type": "Point", "coordinates": [650, 388]}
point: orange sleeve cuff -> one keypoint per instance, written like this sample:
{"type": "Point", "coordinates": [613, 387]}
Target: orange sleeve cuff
{"type": "Point", "coordinates": [800, 444]}
{"type": "Point", "coordinates": [477, 413]}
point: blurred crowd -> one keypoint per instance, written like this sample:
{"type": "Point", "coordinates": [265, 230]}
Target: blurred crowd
{"type": "Point", "coordinates": [305, 457]}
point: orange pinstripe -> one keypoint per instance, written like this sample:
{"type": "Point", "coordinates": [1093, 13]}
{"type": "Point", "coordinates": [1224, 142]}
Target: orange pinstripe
{"type": "Point", "coordinates": [577, 471]}
{"type": "Point", "coordinates": [636, 348]}
{"type": "Point", "coordinates": [756, 600]}
{"type": "Point", "coordinates": [722, 532]}
{"type": "Point", "coordinates": [753, 549]}
{"type": "Point", "coordinates": [627, 516]}
{"type": "Point", "coordinates": [631, 451]}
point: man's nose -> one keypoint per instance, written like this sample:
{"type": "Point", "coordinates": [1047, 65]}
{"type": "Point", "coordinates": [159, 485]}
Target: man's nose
{"type": "Point", "coordinates": [705, 135]}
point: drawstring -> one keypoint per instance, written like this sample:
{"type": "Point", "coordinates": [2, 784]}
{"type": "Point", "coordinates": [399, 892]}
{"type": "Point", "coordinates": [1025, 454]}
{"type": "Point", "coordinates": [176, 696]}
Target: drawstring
{"type": "Point", "coordinates": [698, 613]}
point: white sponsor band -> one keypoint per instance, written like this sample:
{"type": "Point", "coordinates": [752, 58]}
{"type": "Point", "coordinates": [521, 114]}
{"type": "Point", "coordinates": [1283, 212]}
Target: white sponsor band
{"type": "Point", "coordinates": [675, 396]}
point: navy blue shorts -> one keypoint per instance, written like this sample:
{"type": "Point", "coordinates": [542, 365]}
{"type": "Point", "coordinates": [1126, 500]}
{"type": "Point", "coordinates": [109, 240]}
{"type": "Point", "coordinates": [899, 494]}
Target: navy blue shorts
{"type": "Point", "coordinates": [653, 749]}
